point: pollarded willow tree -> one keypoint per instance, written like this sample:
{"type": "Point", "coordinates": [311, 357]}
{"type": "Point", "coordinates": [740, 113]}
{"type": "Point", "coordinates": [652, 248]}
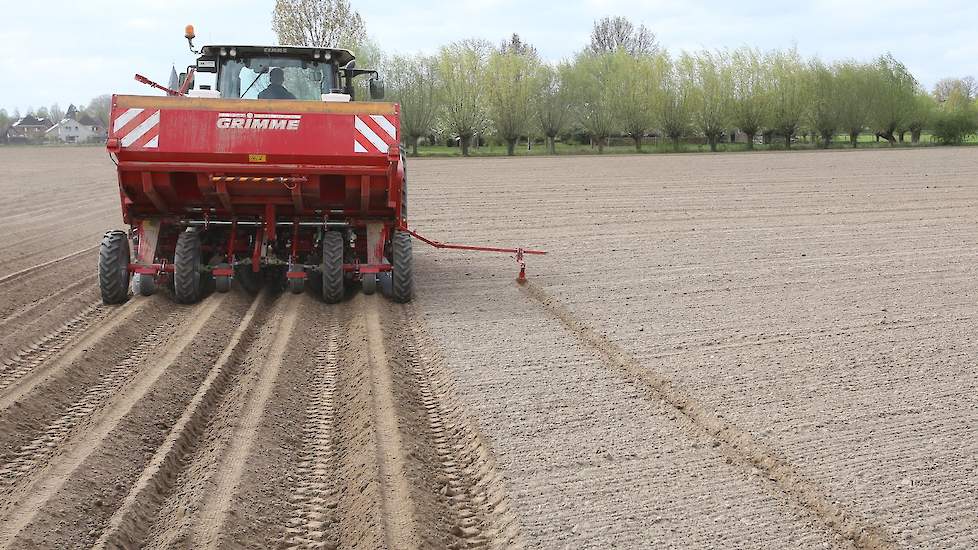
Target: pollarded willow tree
{"type": "Point", "coordinates": [413, 82]}
{"type": "Point", "coordinates": [460, 68]}
{"type": "Point", "coordinates": [712, 94]}
{"type": "Point", "coordinates": [637, 88]}
{"type": "Point", "coordinates": [920, 116]}
{"type": "Point", "coordinates": [593, 95]}
{"type": "Point", "coordinates": [552, 102]}
{"type": "Point", "coordinates": [787, 93]}
{"type": "Point", "coordinates": [822, 115]}
{"type": "Point", "coordinates": [894, 92]}
{"type": "Point", "coordinates": [675, 108]}
{"type": "Point", "coordinates": [749, 99]}
{"type": "Point", "coordinates": [509, 86]}
{"type": "Point", "coordinates": [855, 98]}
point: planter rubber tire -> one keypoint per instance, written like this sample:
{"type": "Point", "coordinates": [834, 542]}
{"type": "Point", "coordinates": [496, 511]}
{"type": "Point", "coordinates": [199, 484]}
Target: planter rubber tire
{"type": "Point", "coordinates": [187, 283]}
{"type": "Point", "coordinates": [146, 284]}
{"type": "Point", "coordinates": [222, 283]}
{"type": "Point", "coordinates": [332, 267]}
{"type": "Point", "coordinates": [113, 267]}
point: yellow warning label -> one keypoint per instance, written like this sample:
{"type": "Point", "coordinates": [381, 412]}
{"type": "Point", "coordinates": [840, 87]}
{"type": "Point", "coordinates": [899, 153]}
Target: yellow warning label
{"type": "Point", "coordinates": [256, 158]}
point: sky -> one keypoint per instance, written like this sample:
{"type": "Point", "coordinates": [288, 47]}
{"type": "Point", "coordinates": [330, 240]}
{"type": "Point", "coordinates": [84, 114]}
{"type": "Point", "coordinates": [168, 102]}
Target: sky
{"type": "Point", "coordinates": [68, 51]}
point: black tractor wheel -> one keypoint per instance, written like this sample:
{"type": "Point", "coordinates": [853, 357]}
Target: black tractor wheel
{"type": "Point", "coordinates": [146, 284]}
{"type": "Point", "coordinates": [222, 283]}
{"type": "Point", "coordinates": [187, 283]}
{"type": "Point", "coordinates": [332, 267]}
{"type": "Point", "coordinates": [113, 267]}
{"type": "Point", "coordinates": [402, 268]}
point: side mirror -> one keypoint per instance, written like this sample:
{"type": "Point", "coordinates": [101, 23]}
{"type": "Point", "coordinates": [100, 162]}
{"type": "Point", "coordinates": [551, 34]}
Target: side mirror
{"type": "Point", "coordinates": [376, 88]}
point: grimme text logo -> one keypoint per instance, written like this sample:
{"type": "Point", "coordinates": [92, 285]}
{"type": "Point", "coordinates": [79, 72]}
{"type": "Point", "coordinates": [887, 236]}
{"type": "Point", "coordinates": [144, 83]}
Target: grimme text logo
{"type": "Point", "coordinates": [257, 121]}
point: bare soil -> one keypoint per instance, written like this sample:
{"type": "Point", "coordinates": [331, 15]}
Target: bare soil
{"type": "Point", "coordinates": [719, 351]}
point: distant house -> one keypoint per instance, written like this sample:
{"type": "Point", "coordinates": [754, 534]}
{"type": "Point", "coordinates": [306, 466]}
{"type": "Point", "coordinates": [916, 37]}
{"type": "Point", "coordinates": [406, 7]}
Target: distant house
{"type": "Point", "coordinates": [80, 129]}
{"type": "Point", "coordinates": [29, 129]}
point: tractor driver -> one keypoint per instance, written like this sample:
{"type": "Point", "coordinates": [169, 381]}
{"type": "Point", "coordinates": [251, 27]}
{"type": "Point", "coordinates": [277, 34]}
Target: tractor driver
{"type": "Point", "coordinates": [276, 90]}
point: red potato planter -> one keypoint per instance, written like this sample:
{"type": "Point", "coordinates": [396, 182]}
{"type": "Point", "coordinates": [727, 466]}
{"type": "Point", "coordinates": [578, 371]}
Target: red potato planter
{"type": "Point", "coordinates": [238, 184]}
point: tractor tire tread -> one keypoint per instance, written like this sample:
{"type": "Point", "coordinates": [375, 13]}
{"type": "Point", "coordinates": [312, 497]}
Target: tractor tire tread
{"type": "Point", "coordinates": [113, 286]}
{"type": "Point", "coordinates": [186, 268]}
{"type": "Point", "coordinates": [402, 275]}
{"type": "Point", "coordinates": [332, 267]}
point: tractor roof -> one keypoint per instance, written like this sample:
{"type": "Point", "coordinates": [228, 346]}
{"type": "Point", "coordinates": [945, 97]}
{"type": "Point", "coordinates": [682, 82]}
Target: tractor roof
{"type": "Point", "coordinates": [341, 56]}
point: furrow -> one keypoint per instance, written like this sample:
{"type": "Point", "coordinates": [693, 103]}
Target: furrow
{"type": "Point", "coordinates": [27, 271]}
{"type": "Point", "coordinates": [217, 503]}
{"type": "Point", "coordinates": [734, 442]}
{"type": "Point", "coordinates": [128, 525]}
{"type": "Point", "coordinates": [44, 303]}
{"type": "Point", "coordinates": [30, 358]}
{"type": "Point", "coordinates": [49, 480]}
{"type": "Point", "coordinates": [312, 524]}
{"type": "Point", "coordinates": [37, 452]}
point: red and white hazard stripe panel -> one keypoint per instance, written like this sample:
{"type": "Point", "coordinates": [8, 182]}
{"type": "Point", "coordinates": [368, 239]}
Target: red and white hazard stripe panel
{"type": "Point", "coordinates": [137, 129]}
{"type": "Point", "coordinates": [374, 134]}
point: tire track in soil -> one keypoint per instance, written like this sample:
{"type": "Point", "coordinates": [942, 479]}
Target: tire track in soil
{"type": "Point", "coordinates": [73, 290]}
{"type": "Point", "coordinates": [48, 481]}
{"type": "Point", "coordinates": [26, 369]}
{"type": "Point", "coordinates": [733, 442]}
{"type": "Point", "coordinates": [27, 271]}
{"type": "Point", "coordinates": [312, 523]}
{"type": "Point", "coordinates": [400, 530]}
{"type": "Point", "coordinates": [469, 490]}
{"type": "Point", "coordinates": [30, 358]}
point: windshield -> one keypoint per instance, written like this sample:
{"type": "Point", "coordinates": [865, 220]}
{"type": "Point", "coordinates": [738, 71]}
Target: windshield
{"type": "Point", "coordinates": [275, 78]}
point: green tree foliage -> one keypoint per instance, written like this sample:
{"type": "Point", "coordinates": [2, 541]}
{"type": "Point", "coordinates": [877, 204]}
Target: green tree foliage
{"type": "Point", "coordinates": [413, 82]}
{"type": "Point", "coordinates": [956, 119]}
{"type": "Point", "coordinates": [461, 66]}
{"type": "Point", "coordinates": [552, 102]}
{"type": "Point", "coordinates": [822, 115]}
{"type": "Point", "coordinates": [676, 103]}
{"type": "Point", "coordinates": [712, 98]}
{"type": "Point", "coordinates": [748, 73]}
{"type": "Point", "coordinates": [637, 89]}
{"type": "Point", "coordinates": [592, 86]}
{"type": "Point", "coordinates": [893, 92]}
{"type": "Point", "coordinates": [921, 116]}
{"type": "Point", "coordinates": [787, 93]}
{"type": "Point", "coordinates": [510, 85]}
{"type": "Point", "coordinates": [854, 83]}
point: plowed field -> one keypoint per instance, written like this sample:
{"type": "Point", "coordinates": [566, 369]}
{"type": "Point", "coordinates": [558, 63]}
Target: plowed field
{"type": "Point", "coordinates": [720, 351]}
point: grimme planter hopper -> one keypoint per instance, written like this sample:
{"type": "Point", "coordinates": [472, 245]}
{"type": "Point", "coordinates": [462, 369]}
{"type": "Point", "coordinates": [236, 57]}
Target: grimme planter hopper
{"type": "Point", "coordinates": [274, 174]}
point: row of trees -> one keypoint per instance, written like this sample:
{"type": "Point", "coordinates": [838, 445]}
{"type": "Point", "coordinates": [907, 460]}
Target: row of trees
{"type": "Point", "coordinates": [623, 84]}
{"type": "Point", "coordinates": [472, 87]}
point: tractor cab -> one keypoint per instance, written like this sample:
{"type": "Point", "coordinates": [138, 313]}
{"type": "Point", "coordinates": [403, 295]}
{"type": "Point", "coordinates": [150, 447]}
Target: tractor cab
{"type": "Point", "coordinates": [283, 72]}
